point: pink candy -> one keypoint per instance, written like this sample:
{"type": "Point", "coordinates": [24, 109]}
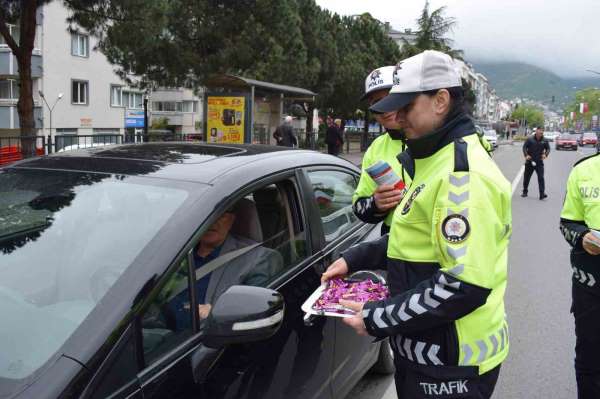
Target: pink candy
{"type": "Point", "coordinates": [337, 289]}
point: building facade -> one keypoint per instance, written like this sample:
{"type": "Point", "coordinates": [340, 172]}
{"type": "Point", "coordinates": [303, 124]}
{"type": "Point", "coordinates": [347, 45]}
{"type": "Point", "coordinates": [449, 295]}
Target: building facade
{"type": "Point", "coordinates": [181, 110]}
{"type": "Point", "coordinates": [9, 79]}
{"type": "Point", "coordinates": [81, 87]}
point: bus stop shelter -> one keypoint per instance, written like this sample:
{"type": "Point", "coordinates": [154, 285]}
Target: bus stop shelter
{"type": "Point", "coordinates": [243, 110]}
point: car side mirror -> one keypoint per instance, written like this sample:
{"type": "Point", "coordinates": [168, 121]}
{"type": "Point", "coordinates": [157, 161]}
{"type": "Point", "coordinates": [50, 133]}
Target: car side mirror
{"type": "Point", "coordinates": [243, 314]}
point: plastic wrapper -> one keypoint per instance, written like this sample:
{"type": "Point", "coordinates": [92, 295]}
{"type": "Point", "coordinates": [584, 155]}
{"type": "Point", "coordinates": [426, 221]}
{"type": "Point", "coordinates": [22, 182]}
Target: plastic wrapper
{"type": "Point", "coordinates": [325, 300]}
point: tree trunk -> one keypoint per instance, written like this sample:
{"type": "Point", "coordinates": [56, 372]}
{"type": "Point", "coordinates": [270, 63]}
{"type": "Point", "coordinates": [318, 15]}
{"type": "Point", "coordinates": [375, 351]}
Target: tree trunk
{"type": "Point", "coordinates": [25, 107]}
{"type": "Point", "coordinates": [28, 25]}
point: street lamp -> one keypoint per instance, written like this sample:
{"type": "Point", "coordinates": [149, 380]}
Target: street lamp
{"type": "Point", "coordinates": [50, 109]}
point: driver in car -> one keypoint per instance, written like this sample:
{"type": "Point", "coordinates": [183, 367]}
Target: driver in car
{"type": "Point", "coordinates": [223, 259]}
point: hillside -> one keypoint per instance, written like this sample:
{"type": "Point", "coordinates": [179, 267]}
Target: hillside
{"type": "Point", "coordinates": [514, 79]}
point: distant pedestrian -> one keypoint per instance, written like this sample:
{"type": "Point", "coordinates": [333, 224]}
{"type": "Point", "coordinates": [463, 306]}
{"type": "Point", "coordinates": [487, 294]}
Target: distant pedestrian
{"type": "Point", "coordinates": [284, 134]}
{"type": "Point", "coordinates": [535, 150]}
{"type": "Point", "coordinates": [334, 138]}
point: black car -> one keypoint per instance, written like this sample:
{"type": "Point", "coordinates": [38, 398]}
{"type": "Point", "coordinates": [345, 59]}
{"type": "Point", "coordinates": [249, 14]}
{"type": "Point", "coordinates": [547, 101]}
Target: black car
{"type": "Point", "coordinates": [101, 296]}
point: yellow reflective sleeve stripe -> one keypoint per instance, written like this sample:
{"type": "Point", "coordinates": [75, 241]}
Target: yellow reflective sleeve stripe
{"type": "Point", "coordinates": [573, 205]}
{"type": "Point", "coordinates": [366, 186]}
{"type": "Point", "coordinates": [465, 226]}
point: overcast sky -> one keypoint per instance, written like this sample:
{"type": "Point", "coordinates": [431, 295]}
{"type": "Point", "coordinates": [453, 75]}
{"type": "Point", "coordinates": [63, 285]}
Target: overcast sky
{"type": "Point", "coordinates": [560, 35]}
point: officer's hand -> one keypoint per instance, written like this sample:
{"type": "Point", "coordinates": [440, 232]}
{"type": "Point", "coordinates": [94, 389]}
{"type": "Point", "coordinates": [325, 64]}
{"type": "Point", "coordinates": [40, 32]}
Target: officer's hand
{"type": "Point", "coordinates": [528, 157]}
{"type": "Point", "coordinates": [590, 248]}
{"type": "Point", "coordinates": [387, 197]}
{"type": "Point", "coordinates": [543, 156]}
{"type": "Point", "coordinates": [356, 322]}
{"type": "Point", "coordinates": [339, 268]}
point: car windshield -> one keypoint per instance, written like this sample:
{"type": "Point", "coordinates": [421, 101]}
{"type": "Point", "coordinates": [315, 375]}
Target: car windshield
{"type": "Point", "coordinates": [589, 135]}
{"type": "Point", "coordinates": [65, 238]}
{"type": "Point", "coordinates": [568, 137]}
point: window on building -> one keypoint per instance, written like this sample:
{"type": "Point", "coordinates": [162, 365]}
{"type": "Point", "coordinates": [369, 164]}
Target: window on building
{"type": "Point", "coordinates": [106, 136]}
{"type": "Point", "coordinates": [188, 106]}
{"type": "Point", "coordinates": [116, 96]}
{"type": "Point", "coordinates": [168, 106]}
{"type": "Point", "coordinates": [80, 45]}
{"type": "Point", "coordinates": [79, 92]}
{"type": "Point", "coordinates": [133, 100]}
{"type": "Point", "coordinates": [14, 32]}
{"type": "Point", "coordinates": [9, 89]}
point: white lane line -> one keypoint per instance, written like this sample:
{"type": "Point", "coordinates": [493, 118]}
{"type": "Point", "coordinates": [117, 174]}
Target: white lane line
{"type": "Point", "coordinates": [515, 182]}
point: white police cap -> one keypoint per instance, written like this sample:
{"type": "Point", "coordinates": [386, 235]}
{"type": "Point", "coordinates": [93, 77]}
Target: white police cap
{"type": "Point", "coordinates": [429, 70]}
{"type": "Point", "coordinates": [380, 79]}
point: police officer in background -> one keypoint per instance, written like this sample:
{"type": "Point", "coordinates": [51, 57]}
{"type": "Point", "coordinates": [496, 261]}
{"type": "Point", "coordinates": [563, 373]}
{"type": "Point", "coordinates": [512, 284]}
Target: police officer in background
{"type": "Point", "coordinates": [535, 150]}
{"type": "Point", "coordinates": [446, 254]}
{"type": "Point", "coordinates": [372, 203]}
{"type": "Point", "coordinates": [580, 220]}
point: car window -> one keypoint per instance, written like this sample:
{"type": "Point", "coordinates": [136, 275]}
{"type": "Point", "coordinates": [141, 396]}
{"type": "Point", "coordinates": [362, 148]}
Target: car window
{"type": "Point", "coordinates": [120, 372]}
{"type": "Point", "coordinates": [167, 320]}
{"type": "Point", "coordinates": [76, 233]}
{"type": "Point", "coordinates": [332, 192]}
{"type": "Point", "coordinates": [254, 242]}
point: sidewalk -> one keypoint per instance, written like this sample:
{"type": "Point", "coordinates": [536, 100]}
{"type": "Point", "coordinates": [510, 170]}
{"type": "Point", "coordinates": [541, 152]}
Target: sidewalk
{"type": "Point", "coordinates": [354, 157]}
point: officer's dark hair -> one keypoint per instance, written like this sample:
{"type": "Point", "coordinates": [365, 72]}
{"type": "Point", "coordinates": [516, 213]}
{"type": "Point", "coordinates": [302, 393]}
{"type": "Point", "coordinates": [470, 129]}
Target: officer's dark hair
{"type": "Point", "coordinates": [457, 100]}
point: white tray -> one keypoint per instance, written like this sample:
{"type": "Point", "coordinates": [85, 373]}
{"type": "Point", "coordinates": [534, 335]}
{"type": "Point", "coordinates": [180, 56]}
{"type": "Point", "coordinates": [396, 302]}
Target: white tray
{"type": "Point", "coordinates": [307, 306]}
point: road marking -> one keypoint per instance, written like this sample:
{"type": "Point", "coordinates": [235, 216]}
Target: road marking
{"type": "Point", "coordinates": [515, 182]}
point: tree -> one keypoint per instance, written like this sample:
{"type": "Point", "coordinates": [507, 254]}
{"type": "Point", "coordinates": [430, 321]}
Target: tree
{"type": "Point", "coordinates": [292, 42]}
{"type": "Point", "coordinates": [529, 115]}
{"type": "Point", "coordinates": [23, 13]}
{"type": "Point", "coordinates": [431, 34]}
{"type": "Point", "coordinates": [591, 96]}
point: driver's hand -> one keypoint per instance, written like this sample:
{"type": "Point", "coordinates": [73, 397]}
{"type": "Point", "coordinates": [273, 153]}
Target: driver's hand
{"type": "Point", "coordinates": [339, 268]}
{"type": "Point", "coordinates": [528, 157]}
{"type": "Point", "coordinates": [204, 310]}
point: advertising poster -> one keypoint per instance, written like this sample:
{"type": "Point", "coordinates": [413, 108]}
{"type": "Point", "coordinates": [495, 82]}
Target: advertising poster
{"type": "Point", "coordinates": [225, 119]}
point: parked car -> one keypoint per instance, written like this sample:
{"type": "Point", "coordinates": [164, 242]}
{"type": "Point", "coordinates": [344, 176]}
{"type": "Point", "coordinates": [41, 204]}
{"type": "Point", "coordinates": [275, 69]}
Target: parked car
{"type": "Point", "coordinates": [551, 136]}
{"type": "Point", "coordinates": [101, 295]}
{"type": "Point", "coordinates": [588, 138]}
{"type": "Point", "coordinates": [566, 141]}
{"type": "Point", "coordinates": [491, 136]}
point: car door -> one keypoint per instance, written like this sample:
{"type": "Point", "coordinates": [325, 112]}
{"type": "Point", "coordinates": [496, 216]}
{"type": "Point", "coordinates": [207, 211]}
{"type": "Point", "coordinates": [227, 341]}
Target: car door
{"type": "Point", "coordinates": [295, 362]}
{"type": "Point", "coordinates": [165, 350]}
{"type": "Point", "coordinates": [331, 192]}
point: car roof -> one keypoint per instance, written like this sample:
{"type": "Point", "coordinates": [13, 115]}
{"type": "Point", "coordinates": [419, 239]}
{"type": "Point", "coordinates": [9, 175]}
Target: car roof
{"type": "Point", "coordinates": [186, 161]}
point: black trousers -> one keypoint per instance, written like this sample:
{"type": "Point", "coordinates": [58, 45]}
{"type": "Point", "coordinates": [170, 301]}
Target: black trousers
{"type": "Point", "coordinates": [539, 170]}
{"type": "Point", "coordinates": [586, 310]}
{"type": "Point", "coordinates": [413, 384]}
{"type": "Point", "coordinates": [333, 149]}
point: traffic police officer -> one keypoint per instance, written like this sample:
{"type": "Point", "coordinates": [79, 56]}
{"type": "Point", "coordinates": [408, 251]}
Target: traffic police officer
{"type": "Point", "coordinates": [580, 218]}
{"type": "Point", "coordinates": [372, 203]}
{"type": "Point", "coordinates": [446, 254]}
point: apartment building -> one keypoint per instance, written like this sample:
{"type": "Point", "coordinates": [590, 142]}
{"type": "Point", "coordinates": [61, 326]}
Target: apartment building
{"type": "Point", "coordinates": [9, 77]}
{"type": "Point", "coordinates": [180, 108]}
{"type": "Point", "coordinates": [81, 87]}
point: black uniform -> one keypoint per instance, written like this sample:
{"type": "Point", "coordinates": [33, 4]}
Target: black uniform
{"type": "Point", "coordinates": [285, 136]}
{"type": "Point", "coordinates": [535, 149]}
{"type": "Point", "coordinates": [334, 140]}
{"type": "Point", "coordinates": [580, 213]}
